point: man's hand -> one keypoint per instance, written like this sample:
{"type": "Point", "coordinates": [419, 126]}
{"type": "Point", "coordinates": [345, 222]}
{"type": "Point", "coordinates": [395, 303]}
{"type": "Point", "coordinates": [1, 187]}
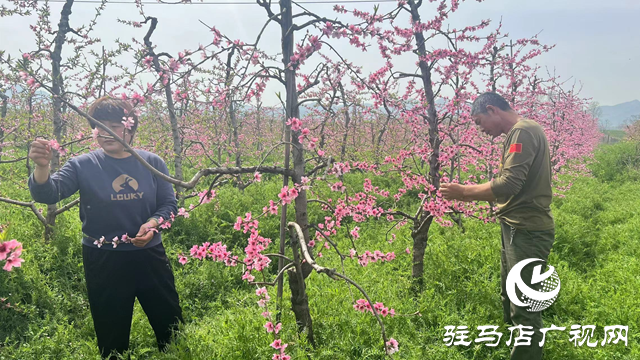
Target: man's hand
{"type": "Point", "coordinates": [40, 152]}
{"type": "Point", "coordinates": [147, 230]}
{"type": "Point", "coordinates": [452, 191]}
{"type": "Point", "coordinates": [481, 192]}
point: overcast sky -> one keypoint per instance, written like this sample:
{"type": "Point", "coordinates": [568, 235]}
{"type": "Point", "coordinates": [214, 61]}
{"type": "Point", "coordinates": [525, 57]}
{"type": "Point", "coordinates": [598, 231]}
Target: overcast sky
{"type": "Point", "coordinates": [597, 42]}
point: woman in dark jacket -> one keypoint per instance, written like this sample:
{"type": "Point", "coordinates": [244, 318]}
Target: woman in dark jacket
{"type": "Point", "coordinates": [121, 204]}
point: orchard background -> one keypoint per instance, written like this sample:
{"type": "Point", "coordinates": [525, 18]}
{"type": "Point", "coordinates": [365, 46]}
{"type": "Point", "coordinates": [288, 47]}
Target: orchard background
{"type": "Point", "coordinates": [313, 228]}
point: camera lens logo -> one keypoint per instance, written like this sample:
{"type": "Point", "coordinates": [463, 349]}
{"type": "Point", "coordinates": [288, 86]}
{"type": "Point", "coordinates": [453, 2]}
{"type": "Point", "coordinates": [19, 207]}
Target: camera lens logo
{"type": "Point", "coordinates": [547, 286]}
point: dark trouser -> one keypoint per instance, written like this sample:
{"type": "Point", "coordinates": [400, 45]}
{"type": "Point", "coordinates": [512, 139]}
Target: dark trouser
{"type": "Point", "coordinates": [115, 279]}
{"type": "Point", "coordinates": [517, 245]}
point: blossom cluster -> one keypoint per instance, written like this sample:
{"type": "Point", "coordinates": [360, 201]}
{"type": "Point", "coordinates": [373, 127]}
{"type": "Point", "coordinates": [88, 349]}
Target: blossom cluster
{"type": "Point", "coordinates": [217, 252]}
{"type": "Point", "coordinates": [10, 252]}
{"type": "Point", "coordinates": [363, 306]}
{"type": "Point", "coordinates": [372, 257]}
{"type": "Point", "coordinates": [277, 344]}
{"type": "Point", "coordinates": [54, 145]}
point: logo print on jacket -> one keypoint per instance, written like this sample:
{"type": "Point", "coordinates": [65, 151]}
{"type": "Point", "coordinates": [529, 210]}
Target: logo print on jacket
{"type": "Point", "coordinates": [126, 188]}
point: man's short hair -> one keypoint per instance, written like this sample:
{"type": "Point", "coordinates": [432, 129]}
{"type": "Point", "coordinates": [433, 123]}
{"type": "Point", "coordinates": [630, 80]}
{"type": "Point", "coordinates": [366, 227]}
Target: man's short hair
{"type": "Point", "coordinates": [112, 110]}
{"type": "Point", "coordinates": [489, 98]}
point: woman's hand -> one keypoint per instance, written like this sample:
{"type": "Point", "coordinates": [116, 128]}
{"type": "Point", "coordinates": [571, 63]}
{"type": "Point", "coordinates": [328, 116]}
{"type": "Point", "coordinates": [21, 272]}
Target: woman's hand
{"type": "Point", "coordinates": [40, 152]}
{"type": "Point", "coordinates": [145, 234]}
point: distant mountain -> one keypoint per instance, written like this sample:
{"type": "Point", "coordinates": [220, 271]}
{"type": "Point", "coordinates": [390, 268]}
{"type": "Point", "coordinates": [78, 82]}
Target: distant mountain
{"type": "Point", "coordinates": [616, 116]}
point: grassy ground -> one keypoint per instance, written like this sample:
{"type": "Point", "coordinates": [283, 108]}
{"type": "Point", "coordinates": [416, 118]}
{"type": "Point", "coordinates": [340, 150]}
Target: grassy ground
{"type": "Point", "coordinates": [619, 134]}
{"type": "Point", "coordinates": [613, 136]}
{"type": "Point", "coordinates": [596, 255]}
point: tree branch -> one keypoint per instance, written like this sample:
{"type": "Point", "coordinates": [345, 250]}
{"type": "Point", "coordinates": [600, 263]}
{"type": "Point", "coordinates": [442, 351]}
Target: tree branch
{"type": "Point", "coordinates": [275, 281]}
{"type": "Point", "coordinates": [267, 6]}
{"type": "Point", "coordinates": [68, 206]}
{"type": "Point", "coordinates": [30, 205]}
{"type": "Point", "coordinates": [296, 232]}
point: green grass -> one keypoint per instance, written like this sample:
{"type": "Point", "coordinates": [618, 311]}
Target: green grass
{"type": "Point", "coordinates": [596, 255]}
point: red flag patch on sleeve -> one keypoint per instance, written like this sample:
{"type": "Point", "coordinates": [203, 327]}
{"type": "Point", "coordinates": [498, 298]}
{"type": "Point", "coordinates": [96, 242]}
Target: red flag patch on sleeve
{"type": "Point", "coordinates": [515, 148]}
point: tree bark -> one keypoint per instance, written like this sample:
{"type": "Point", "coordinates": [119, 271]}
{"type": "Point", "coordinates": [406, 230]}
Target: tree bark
{"type": "Point", "coordinates": [29, 120]}
{"type": "Point", "coordinates": [232, 110]}
{"type": "Point", "coordinates": [299, 299]}
{"type": "Point", "coordinates": [492, 77]}
{"type": "Point", "coordinates": [421, 236]}
{"type": "Point", "coordinates": [347, 120]}
{"type": "Point", "coordinates": [175, 131]}
{"type": "Point", "coordinates": [3, 114]}
{"type": "Point", "coordinates": [56, 89]}
{"type": "Point", "coordinates": [259, 146]}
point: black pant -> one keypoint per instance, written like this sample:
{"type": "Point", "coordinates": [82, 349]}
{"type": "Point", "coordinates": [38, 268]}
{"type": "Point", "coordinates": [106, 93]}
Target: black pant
{"type": "Point", "coordinates": [517, 245]}
{"type": "Point", "coordinates": [115, 279]}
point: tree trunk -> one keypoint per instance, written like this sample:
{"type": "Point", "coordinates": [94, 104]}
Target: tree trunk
{"type": "Point", "coordinates": [514, 85]}
{"type": "Point", "coordinates": [381, 133]}
{"type": "Point", "coordinates": [492, 77]}
{"type": "Point", "coordinates": [420, 235]}
{"type": "Point", "coordinates": [56, 89]}
{"type": "Point", "coordinates": [3, 114]}
{"type": "Point", "coordinates": [299, 299]}
{"type": "Point", "coordinates": [420, 239]}
{"type": "Point", "coordinates": [323, 136]}
{"type": "Point", "coordinates": [175, 132]}
{"type": "Point", "coordinates": [347, 120]}
{"type": "Point", "coordinates": [232, 112]}
{"type": "Point", "coordinates": [234, 125]}
{"type": "Point", "coordinates": [259, 146]}
{"type": "Point", "coordinates": [28, 145]}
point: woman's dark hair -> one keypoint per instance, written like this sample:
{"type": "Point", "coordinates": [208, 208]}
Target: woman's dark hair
{"type": "Point", "coordinates": [489, 98]}
{"type": "Point", "coordinates": [112, 110]}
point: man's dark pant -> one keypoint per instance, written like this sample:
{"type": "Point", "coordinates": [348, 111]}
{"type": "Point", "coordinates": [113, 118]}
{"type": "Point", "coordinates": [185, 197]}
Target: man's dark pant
{"type": "Point", "coordinates": [517, 245]}
{"type": "Point", "coordinates": [115, 279]}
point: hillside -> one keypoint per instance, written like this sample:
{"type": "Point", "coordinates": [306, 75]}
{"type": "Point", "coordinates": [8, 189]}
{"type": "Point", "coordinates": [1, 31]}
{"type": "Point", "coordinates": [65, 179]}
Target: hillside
{"type": "Point", "coordinates": [615, 116]}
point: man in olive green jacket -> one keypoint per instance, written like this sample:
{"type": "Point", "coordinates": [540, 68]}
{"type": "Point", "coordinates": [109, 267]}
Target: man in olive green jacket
{"type": "Point", "coordinates": [522, 191]}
